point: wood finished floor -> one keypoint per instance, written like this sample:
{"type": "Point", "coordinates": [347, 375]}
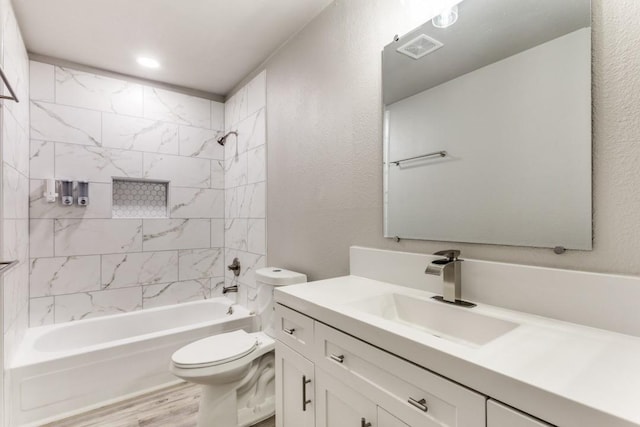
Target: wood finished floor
{"type": "Point", "coordinates": [175, 406]}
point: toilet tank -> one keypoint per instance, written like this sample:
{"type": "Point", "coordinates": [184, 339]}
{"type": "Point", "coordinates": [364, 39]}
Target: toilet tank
{"type": "Point", "coordinates": [267, 279]}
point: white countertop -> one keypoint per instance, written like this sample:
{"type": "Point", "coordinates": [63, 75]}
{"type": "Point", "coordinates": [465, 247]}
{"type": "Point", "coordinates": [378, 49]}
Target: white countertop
{"type": "Point", "coordinates": [564, 373]}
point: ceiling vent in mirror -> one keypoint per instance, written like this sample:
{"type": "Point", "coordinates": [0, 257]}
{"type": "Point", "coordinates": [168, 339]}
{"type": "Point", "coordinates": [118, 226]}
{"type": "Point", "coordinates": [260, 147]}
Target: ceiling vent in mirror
{"type": "Point", "coordinates": [420, 46]}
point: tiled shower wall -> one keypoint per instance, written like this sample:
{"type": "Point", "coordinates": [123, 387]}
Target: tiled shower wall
{"type": "Point", "coordinates": [84, 263]}
{"type": "Point", "coordinates": [245, 186]}
{"type": "Point", "coordinates": [14, 206]}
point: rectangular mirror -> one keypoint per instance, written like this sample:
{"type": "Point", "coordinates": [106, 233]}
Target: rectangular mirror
{"type": "Point", "coordinates": [487, 126]}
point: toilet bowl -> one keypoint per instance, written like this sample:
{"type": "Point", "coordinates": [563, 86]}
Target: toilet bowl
{"type": "Point", "coordinates": [224, 365]}
{"type": "Point", "coordinates": [236, 369]}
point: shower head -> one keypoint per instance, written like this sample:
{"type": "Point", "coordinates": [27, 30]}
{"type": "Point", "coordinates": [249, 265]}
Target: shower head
{"type": "Point", "coordinates": [222, 139]}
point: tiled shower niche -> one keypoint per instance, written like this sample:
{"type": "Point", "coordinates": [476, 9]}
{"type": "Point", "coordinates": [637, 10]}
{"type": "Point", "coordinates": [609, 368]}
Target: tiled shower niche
{"type": "Point", "coordinates": [140, 199]}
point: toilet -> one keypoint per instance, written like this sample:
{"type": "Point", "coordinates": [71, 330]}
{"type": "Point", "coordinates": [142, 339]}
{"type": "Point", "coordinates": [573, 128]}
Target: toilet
{"type": "Point", "coordinates": [236, 369]}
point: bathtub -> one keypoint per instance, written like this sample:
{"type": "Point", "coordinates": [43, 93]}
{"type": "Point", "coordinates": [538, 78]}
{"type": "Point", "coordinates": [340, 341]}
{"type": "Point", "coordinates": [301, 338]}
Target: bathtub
{"type": "Point", "coordinates": [70, 367]}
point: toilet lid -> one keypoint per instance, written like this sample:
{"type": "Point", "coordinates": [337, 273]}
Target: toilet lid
{"type": "Point", "coordinates": [215, 350]}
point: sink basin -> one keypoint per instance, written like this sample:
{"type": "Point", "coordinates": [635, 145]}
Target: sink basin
{"type": "Point", "coordinates": [436, 318]}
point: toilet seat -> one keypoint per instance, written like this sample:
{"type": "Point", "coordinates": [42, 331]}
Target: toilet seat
{"type": "Point", "coordinates": [215, 350]}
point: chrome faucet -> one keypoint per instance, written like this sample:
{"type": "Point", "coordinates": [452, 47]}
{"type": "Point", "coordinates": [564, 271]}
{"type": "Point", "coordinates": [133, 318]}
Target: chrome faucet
{"type": "Point", "coordinates": [235, 267]}
{"type": "Point", "coordinates": [449, 270]}
{"type": "Point", "coordinates": [227, 289]}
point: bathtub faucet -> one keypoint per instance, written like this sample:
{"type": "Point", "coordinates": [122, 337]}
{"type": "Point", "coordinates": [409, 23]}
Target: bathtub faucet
{"type": "Point", "coordinates": [233, 288]}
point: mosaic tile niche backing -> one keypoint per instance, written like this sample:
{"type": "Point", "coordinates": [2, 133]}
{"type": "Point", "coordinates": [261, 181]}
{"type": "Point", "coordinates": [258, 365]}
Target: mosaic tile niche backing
{"type": "Point", "coordinates": [139, 199]}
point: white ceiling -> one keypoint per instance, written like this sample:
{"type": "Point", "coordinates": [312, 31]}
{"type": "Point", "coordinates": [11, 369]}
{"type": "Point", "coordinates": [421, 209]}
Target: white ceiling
{"type": "Point", "coordinates": [208, 45]}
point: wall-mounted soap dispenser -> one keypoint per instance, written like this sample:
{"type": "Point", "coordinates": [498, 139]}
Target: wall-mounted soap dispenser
{"type": "Point", "coordinates": [83, 193]}
{"type": "Point", "coordinates": [50, 194]}
{"type": "Point", "coordinates": [66, 192]}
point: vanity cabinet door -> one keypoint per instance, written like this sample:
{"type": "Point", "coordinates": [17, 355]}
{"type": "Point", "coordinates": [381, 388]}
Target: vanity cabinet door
{"type": "Point", "coordinates": [385, 419]}
{"type": "Point", "coordinates": [499, 415]}
{"type": "Point", "coordinates": [341, 406]}
{"type": "Point", "coordinates": [295, 397]}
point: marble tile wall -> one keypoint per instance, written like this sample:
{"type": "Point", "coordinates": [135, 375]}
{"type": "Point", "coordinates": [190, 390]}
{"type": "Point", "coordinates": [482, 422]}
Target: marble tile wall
{"type": "Point", "coordinates": [14, 203]}
{"type": "Point", "coordinates": [85, 263]}
{"type": "Point", "coordinates": [245, 187]}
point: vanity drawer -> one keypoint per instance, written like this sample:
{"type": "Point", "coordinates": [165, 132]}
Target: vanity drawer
{"type": "Point", "coordinates": [397, 385]}
{"type": "Point", "coordinates": [294, 329]}
{"type": "Point", "coordinates": [499, 415]}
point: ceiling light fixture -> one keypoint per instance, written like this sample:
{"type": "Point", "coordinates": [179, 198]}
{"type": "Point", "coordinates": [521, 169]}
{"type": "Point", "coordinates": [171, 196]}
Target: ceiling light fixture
{"type": "Point", "coordinates": [148, 62]}
{"type": "Point", "coordinates": [447, 18]}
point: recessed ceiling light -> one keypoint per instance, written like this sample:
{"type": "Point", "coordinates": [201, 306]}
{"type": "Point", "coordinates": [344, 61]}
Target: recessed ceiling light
{"type": "Point", "coordinates": [148, 62]}
{"type": "Point", "coordinates": [447, 18]}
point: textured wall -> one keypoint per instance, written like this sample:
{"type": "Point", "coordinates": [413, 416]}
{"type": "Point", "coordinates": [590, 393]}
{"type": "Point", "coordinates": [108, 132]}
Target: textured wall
{"type": "Point", "coordinates": [325, 149]}
{"type": "Point", "coordinates": [245, 187]}
{"type": "Point", "coordinates": [84, 263]}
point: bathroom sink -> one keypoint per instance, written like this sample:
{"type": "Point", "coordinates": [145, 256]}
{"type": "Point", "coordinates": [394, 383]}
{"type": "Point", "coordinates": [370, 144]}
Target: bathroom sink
{"type": "Point", "coordinates": [436, 318]}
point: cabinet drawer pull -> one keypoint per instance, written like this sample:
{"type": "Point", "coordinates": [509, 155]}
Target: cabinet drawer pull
{"type": "Point", "coordinates": [335, 358]}
{"type": "Point", "coordinates": [364, 423]}
{"type": "Point", "coordinates": [420, 404]}
{"type": "Point", "coordinates": [305, 401]}
{"type": "Point", "coordinates": [289, 331]}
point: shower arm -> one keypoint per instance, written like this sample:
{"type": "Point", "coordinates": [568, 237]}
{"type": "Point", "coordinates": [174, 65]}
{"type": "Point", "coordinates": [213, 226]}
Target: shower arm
{"type": "Point", "coordinates": [223, 139]}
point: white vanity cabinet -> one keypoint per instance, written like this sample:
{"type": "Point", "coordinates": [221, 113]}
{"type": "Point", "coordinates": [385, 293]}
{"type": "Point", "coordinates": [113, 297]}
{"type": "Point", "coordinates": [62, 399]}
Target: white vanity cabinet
{"type": "Point", "coordinates": [295, 388]}
{"type": "Point", "coordinates": [339, 405]}
{"type": "Point", "coordinates": [388, 420]}
{"type": "Point", "coordinates": [499, 415]}
{"type": "Point", "coordinates": [295, 330]}
{"type": "Point", "coordinates": [345, 381]}
{"type": "Point", "coordinates": [420, 363]}
{"type": "Point", "coordinates": [295, 372]}
{"type": "Point", "coordinates": [408, 392]}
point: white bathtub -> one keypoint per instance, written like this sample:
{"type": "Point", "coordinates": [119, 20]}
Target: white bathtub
{"type": "Point", "coordinates": [65, 368]}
